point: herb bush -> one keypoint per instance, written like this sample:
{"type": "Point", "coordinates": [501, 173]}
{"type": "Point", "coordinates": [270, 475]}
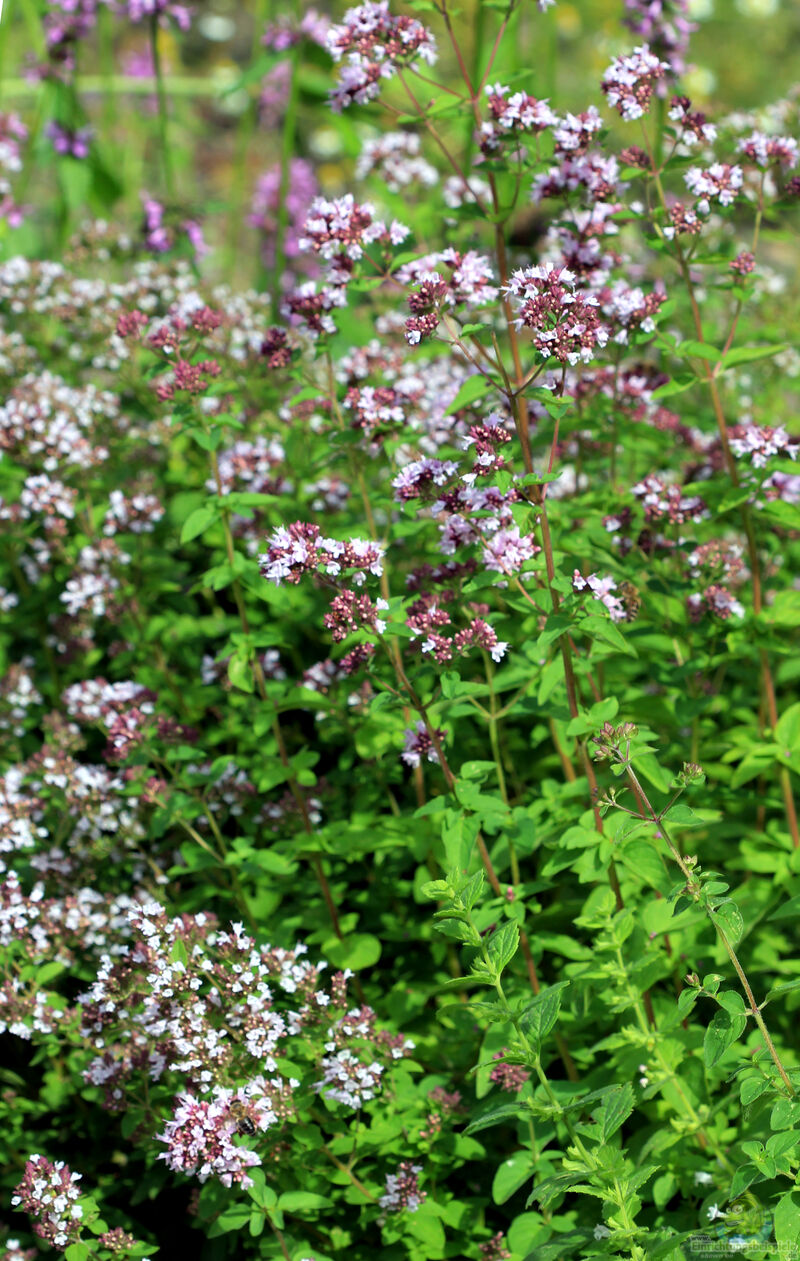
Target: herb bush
{"type": "Point", "coordinates": [400, 742]}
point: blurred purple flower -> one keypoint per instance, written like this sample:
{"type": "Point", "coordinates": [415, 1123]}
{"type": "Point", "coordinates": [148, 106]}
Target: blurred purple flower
{"type": "Point", "coordinates": [665, 25]}
{"type": "Point", "coordinates": [160, 235]}
{"type": "Point", "coordinates": [274, 94]}
{"type": "Point", "coordinates": [287, 32]}
{"type": "Point", "coordinates": [142, 10]}
{"type": "Point", "coordinates": [69, 142]}
{"type": "Point", "coordinates": [302, 188]}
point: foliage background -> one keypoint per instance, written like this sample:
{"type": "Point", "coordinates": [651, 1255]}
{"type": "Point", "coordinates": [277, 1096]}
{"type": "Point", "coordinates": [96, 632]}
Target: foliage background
{"type": "Point", "coordinates": [218, 151]}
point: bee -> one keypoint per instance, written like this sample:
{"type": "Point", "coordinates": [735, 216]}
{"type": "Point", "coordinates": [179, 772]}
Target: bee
{"type": "Point", "coordinates": [237, 1110]}
{"type": "Point", "coordinates": [631, 600]}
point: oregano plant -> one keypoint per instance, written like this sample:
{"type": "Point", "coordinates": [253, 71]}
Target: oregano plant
{"type": "Point", "coordinates": [399, 726]}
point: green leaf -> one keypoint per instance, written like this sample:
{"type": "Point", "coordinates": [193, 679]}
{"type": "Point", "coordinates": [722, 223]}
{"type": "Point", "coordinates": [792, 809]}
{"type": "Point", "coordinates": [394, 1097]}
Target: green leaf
{"type": "Point", "coordinates": [75, 177]}
{"type": "Point", "coordinates": [784, 611]}
{"type": "Point", "coordinates": [723, 1030]}
{"type": "Point", "coordinates": [603, 629]}
{"type": "Point", "coordinates": [540, 1016]}
{"type": "Point", "coordinates": [77, 1252]}
{"type": "Point", "coordinates": [786, 1222]}
{"type": "Point", "coordinates": [459, 837]}
{"type": "Point", "coordinates": [680, 815]}
{"type": "Point", "coordinates": [549, 1189]}
{"type": "Point", "coordinates": [787, 732]}
{"type": "Point", "coordinates": [502, 946]}
{"type": "Point", "coordinates": [647, 765]}
{"type": "Point", "coordinates": [500, 1114]}
{"type": "Point", "coordinates": [785, 1114]}
{"type": "Point", "coordinates": [732, 1001]}
{"type": "Point", "coordinates": [644, 861]}
{"type": "Point", "coordinates": [751, 1089]}
{"type": "Point", "coordinates": [234, 1218]}
{"type": "Point", "coordinates": [729, 917]}
{"type": "Point", "coordinates": [302, 1202]}
{"type": "Point", "coordinates": [206, 439]}
{"type": "Point", "coordinates": [677, 386]}
{"type": "Point", "coordinates": [511, 1174]}
{"type": "Point", "coordinates": [698, 350]}
{"type": "Point", "coordinates": [449, 680]}
{"type": "Point", "coordinates": [472, 389]}
{"type": "Point", "coordinates": [570, 1244]}
{"type": "Point", "coordinates": [733, 499]}
{"type": "Point", "coordinates": [618, 1108]}
{"type": "Point", "coordinates": [240, 673]}
{"type": "Point", "coordinates": [197, 522]}
{"type": "Point", "coordinates": [743, 1178]}
{"type": "Point", "coordinates": [748, 354]}
{"type": "Point", "coordinates": [356, 951]}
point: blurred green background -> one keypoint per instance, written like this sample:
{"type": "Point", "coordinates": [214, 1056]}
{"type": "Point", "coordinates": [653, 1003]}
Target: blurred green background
{"type": "Point", "coordinates": [745, 54]}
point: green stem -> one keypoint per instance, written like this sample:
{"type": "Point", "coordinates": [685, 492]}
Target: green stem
{"type": "Point", "coordinates": [244, 137]}
{"type": "Point", "coordinates": [105, 34]}
{"type": "Point", "coordinates": [494, 740]}
{"type": "Point", "coordinates": [654, 1049]}
{"type": "Point", "coordinates": [163, 113]}
{"type": "Point", "coordinates": [287, 149]}
{"type": "Point", "coordinates": [535, 1058]}
{"type": "Point", "coordinates": [343, 1168]}
{"type": "Point", "coordinates": [693, 888]}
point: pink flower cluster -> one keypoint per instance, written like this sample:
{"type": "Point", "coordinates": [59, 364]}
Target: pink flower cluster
{"type": "Point", "coordinates": [563, 319]}
{"type": "Point", "coordinates": [297, 198]}
{"type": "Point", "coordinates": [428, 616]}
{"type": "Point", "coordinates": [396, 157]}
{"type": "Point", "coordinates": [468, 281]}
{"type": "Point", "coordinates": [628, 309]}
{"type": "Point", "coordinates": [371, 44]}
{"type": "Point", "coordinates": [662, 501]}
{"type": "Point", "coordinates": [509, 1077]}
{"type": "Point", "coordinates": [49, 1193]}
{"type": "Point", "coordinates": [199, 1137]}
{"type": "Point", "coordinates": [161, 10]}
{"type": "Point", "coordinates": [602, 589]}
{"type": "Point", "coordinates": [349, 612]}
{"type": "Point", "coordinates": [720, 182]}
{"type": "Point", "coordinates": [513, 113]}
{"type": "Point", "coordinates": [402, 1189]}
{"type": "Point", "coordinates": [759, 443]}
{"type": "Point", "coordinates": [629, 82]}
{"type": "Point", "coordinates": [719, 563]}
{"type": "Point", "coordinates": [211, 1007]}
{"type": "Point", "coordinates": [286, 30]}
{"type": "Point", "coordinates": [338, 231]}
{"type": "Point", "coordinates": [768, 151]}
{"type": "Point", "coordinates": [341, 229]}
{"type": "Point", "coordinates": [693, 127]}
{"type": "Point", "coordinates": [421, 478]}
{"type": "Point", "coordinates": [256, 466]}
{"type": "Point", "coordinates": [161, 234]}
{"type": "Point", "coordinates": [299, 549]}
{"type": "Point", "coordinates": [665, 25]}
{"type": "Point", "coordinates": [419, 745]}
{"type": "Point", "coordinates": [13, 133]}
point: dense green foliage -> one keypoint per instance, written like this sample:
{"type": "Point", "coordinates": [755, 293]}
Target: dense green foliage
{"type": "Point", "coordinates": [399, 726]}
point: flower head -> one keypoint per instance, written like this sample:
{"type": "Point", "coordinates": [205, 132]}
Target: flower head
{"type": "Point", "coordinates": [370, 43]}
{"type": "Point", "coordinates": [629, 81]}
